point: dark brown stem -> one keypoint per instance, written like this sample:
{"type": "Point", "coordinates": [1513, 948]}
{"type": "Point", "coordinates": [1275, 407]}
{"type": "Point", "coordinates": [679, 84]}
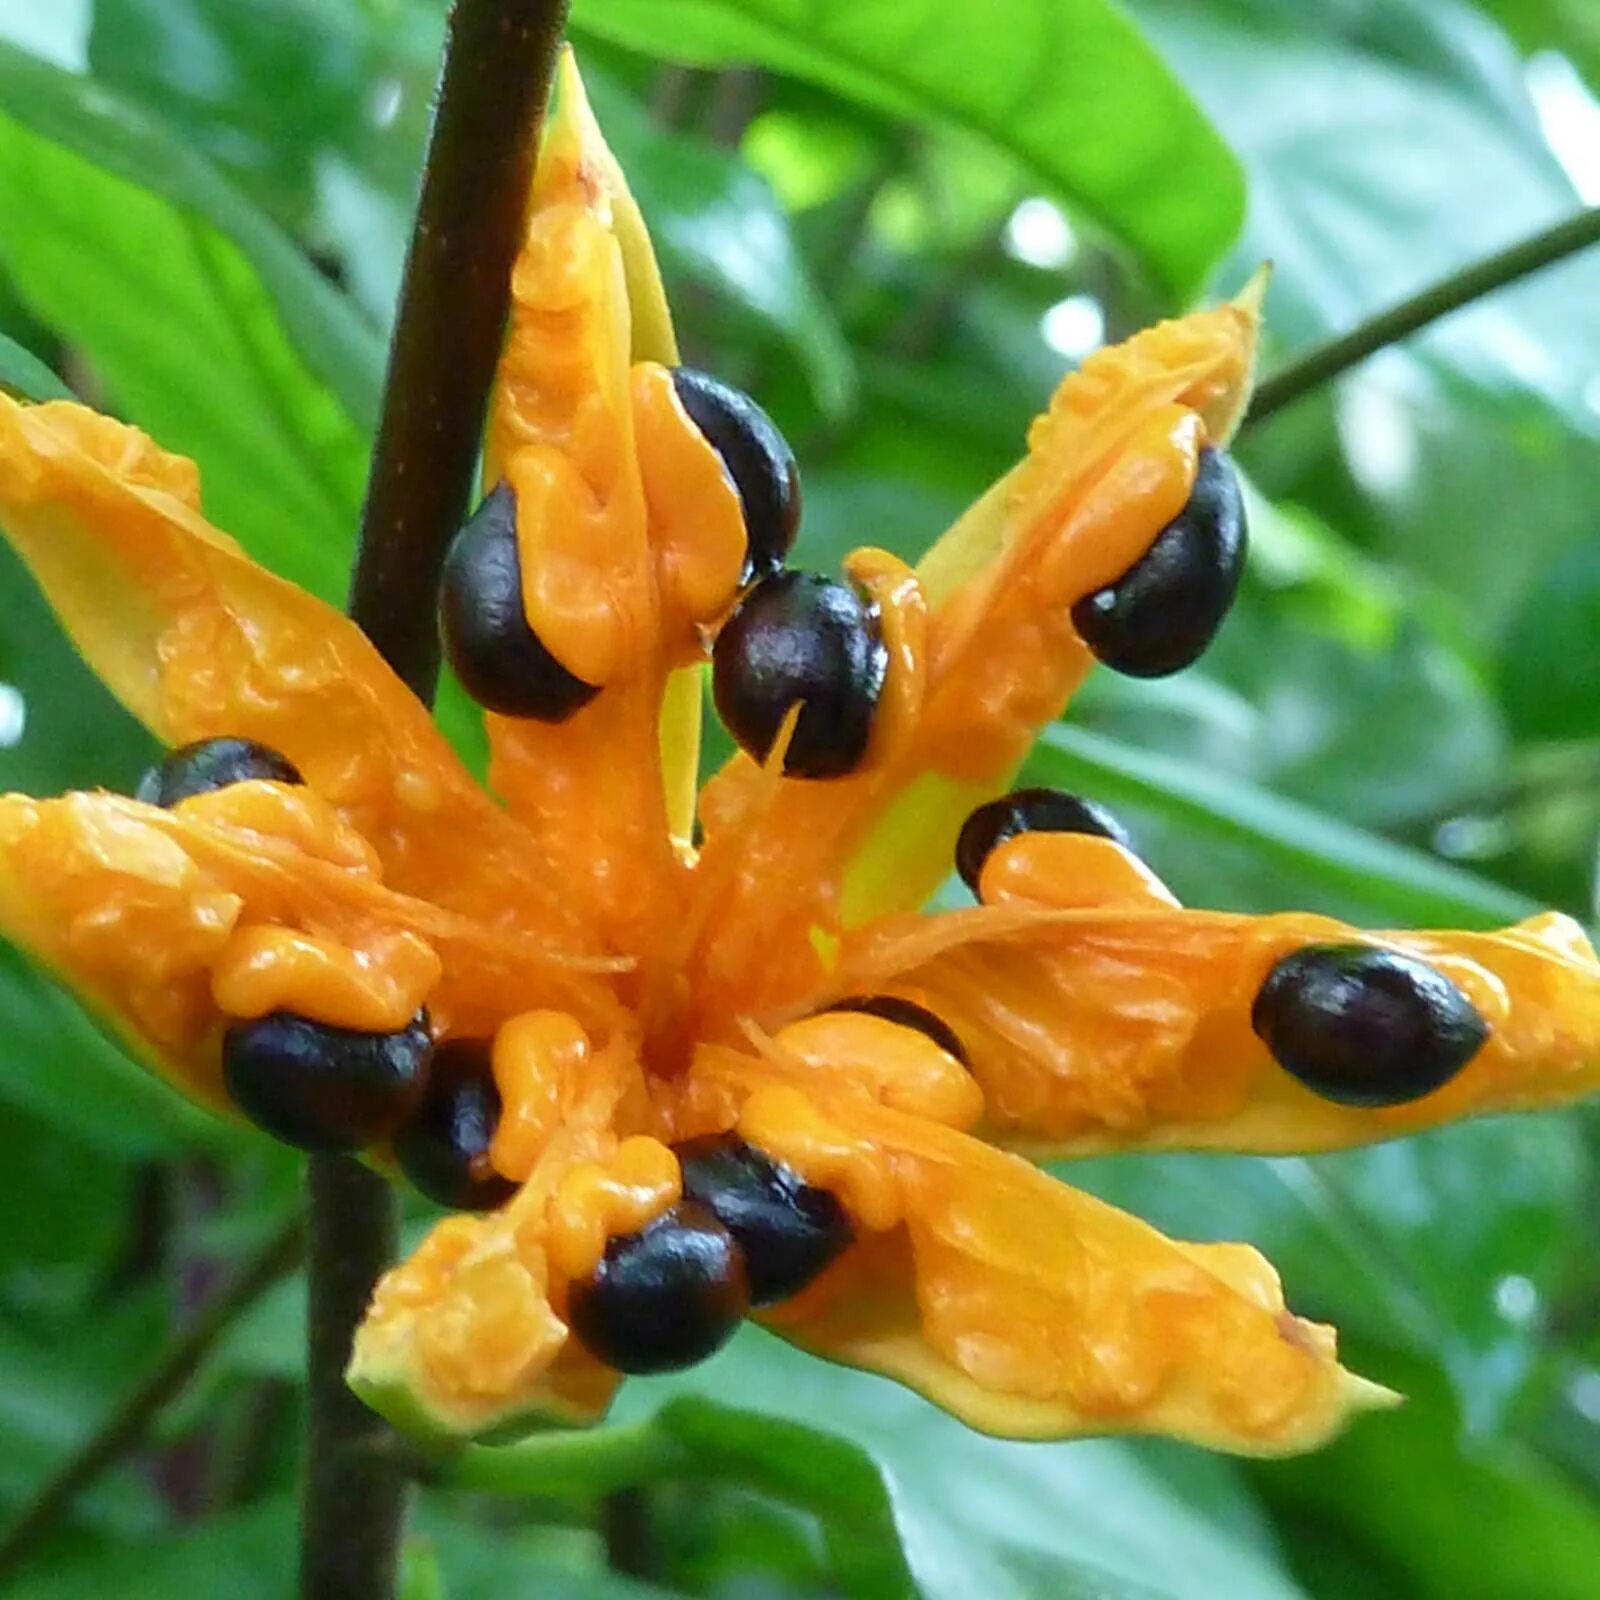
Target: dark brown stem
{"type": "Point", "coordinates": [625, 1525]}
{"type": "Point", "coordinates": [500, 58]}
{"type": "Point", "coordinates": [1325, 362]}
{"type": "Point", "coordinates": [352, 1501]}
{"type": "Point", "coordinates": [126, 1426]}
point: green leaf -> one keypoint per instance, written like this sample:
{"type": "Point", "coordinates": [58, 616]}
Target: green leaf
{"type": "Point", "coordinates": [243, 1556]}
{"type": "Point", "coordinates": [210, 329]}
{"type": "Point", "coordinates": [319, 112]}
{"type": "Point", "coordinates": [980, 1516]}
{"type": "Point", "coordinates": [203, 321]}
{"type": "Point", "coordinates": [57, 32]}
{"type": "Point", "coordinates": [1316, 107]}
{"type": "Point", "coordinates": [1458, 1519]}
{"type": "Point", "coordinates": [1569, 26]}
{"type": "Point", "coordinates": [63, 729]}
{"type": "Point", "coordinates": [913, 1501]}
{"type": "Point", "coordinates": [49, 1274]}
{"type": "Point", "coordinates": [1068, 87]}
{"type": "Point", "coordinates": [25, 374]}
{"type": "Point", "coordinates": [1383, 737]}
{"type": "Point", "coordinates": [713, 221]}
{"type": "Point", "coordinates": [421, 1576]}
{"type": "Point", "coordinates": [691, 1437]}
{"type": "Point", "coordinates": [1404, 1245]}
{"type": "Point", "coordinates": [1482, 423]}
{"type": "Point", "coordinates": [468, 1555]}
{"type": "Point", "coordinates": [1301, 845]}
{"type": "Point", "coordinates": [263, 89]}
{"type": "Point", "coordinates": [56, 1064]}
{"type": "Point", "coordinates": [1550, 661]}
{"type": "Point", "coordinates": [59, 1390]}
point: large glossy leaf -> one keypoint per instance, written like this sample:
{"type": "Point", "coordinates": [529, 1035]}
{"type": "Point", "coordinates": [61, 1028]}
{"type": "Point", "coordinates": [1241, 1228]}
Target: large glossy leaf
{"type": "Point", "coordinates": [1067, 86]}
{"type": "Point", "coordinates": [243, 1556]}
{"type": "Point", "coordinates": [59, 1389]}
{"type": "Point", "coordinates": [317, 111]}
{"type": "Point", "coordinates": [57, 32]}
{"type": "Point", "coordinates": [264, 89]}
{"type": "Point", "coordinates": [985, 1516]}
{"type": "Point", "coordinates": [48, 1275]}
{"type": "Point", "coordinates": [205, 324]}
{"type": "Point", "coordinates": [920, 1499]}
{"type": "Point", "coordinates": [1550, 662]}
{"type": "Point", "coordinates": [1465, 432]}
{"type": "Point", "coordinates": [1447, 1246]}
{"type": "Point", "coordinates": [456, 1553]}
{"type": "Point", "coordinates": [275, 92]}
{"type": "Point", "coordinates": [25, 374]}
{"type": "Point", "coordinates": [56, 1064]}
{"type": "Point", "coordinates": [1317, 109]}
{"type": "Point", "coordinates": [715, 223]}
{"type": "Point", "coordinates": [1569, 26]}
{"type": "Point", "coordinates": [1309, 851]}
{"type": "Point", "coordinates": [1453, 1519]}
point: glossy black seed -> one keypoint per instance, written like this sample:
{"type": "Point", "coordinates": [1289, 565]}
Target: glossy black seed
{"type": "Point", "coordinates": [444, 1146]}
{"type": "Point", "coordinates": [321, 1087]}
{"type": "Point", "coordinates": [788, 1229]}
{"type": "Point", "coordinates": [800, 637]}
{"type": "Point", "coordinates": [210, 764]}
{"type": "Point", "coordinates": [1160, 615]}
{"type": "Point", "coordinates": [665, 1297]}
{"type": "Point", "coordinates": [909, 1015]}
{"type": "Point", "coordinates": [758, 459]}
{"type": "Point", "coordinates": [1029, 811]}
{"type": "Point", "coordinates": [494, 652]}
{"type": "Point", "coordinates": [1365, 1026]}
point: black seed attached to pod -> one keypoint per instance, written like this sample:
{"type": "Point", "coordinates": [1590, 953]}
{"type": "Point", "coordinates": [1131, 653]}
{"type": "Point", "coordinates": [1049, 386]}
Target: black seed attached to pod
{"type": "Point", "coordinates": [444, 1146]}
{"type": "Point", "coordinates": [210, 764]}
{"type": "Point", "coordinates": [665, 1297]}
{"type": "Point", "coordinates": [496, 655]}
{"type": "Point", "coordinates": [758, 460]}
{"type": "Point", "coordinates": [1030, 811]}
{"type": "Point", "coordinates": [325, 1088]}
{"type": "Point", "coordinates": [799, 638]}
{"type": "Point", "coordinates": [908, 1014]}
{"type": "Point", "coordinates": [788, 1229]}
{"type": "Point", "coordinates": [1365, 1026]}
{"type": "Point", "coordinates": [1160, 615]}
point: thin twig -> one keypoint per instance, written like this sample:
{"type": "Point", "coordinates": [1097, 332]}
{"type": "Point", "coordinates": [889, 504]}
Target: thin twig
{"type": "Point", "coordinates": [352, 1504]}
{"type": "Point", "coordinates": [127, 1425]}
{"type": "Point", "coordinates": [1326, 361]}
{"type": "Point", "coordinates": [499, 61]}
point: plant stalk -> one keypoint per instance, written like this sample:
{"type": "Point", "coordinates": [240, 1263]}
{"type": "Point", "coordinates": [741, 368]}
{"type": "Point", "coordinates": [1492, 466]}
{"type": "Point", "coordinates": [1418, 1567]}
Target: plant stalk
{"type": "Point", "coordinates": [1324, 362]}
{"type": "Point", "coordinates": [500, 58]}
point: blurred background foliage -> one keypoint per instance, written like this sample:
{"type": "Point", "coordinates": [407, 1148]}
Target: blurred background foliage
{"type": "Point", "coordinates": [898, 224]}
